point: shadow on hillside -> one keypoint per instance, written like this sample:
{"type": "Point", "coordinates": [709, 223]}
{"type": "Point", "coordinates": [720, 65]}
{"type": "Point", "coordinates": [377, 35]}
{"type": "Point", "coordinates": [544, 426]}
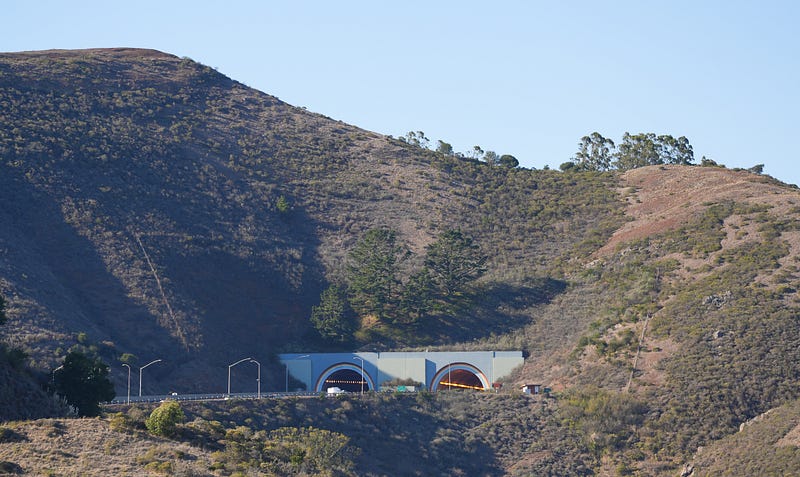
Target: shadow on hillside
{"type": "Point", "coordinates": [250, 298]}
{"type": "Point", "coordinates": [63, 284]}
{"type": "Point", "coordinates": [494, 309]}
{"type": "Point", "coordinates": [76, 261]}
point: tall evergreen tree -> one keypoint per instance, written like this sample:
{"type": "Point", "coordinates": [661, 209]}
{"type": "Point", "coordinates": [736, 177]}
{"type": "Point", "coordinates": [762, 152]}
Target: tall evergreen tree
{"type": "Point", "coordinates": [454, 260]}
{"type": "Point", "coordinates": [507, 160]}
{"type": "Point", "coordinates": [333, 318]}
{"type": "Point", "coordinates": [418, 296]}
{"type": "Point", "coordinates": [372, 271]}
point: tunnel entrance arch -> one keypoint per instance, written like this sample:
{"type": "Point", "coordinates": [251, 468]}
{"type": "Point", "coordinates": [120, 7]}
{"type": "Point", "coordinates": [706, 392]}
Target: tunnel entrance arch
{"type": "Point", "coordinates": [346, 377]}
{"type": "Point", "coordinates": [459, 376]}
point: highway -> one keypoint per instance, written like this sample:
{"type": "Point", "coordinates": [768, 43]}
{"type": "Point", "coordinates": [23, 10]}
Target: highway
{"type": "Point", "coordinates": [206, 397]}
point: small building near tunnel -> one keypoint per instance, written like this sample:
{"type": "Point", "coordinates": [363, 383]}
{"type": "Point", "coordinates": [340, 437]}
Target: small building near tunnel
{"type": "Point", "coordinates": [433, 371]}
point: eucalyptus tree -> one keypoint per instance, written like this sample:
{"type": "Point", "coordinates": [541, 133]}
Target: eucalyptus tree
{"type": "Point", "coordinates": [595, 154]}
{"type": "Point", "coordinates": [491, 157]}
{"type": "Point", "coordinates": [647, 149]}
{"type": "Point", "coordinates": [675, 151]}
{"type": "Point", "coordinates": [416, 138]}
{"type": "Point", "coordinates": [637, 150]}
{"type": "Point", "coordinates": [444, 148]}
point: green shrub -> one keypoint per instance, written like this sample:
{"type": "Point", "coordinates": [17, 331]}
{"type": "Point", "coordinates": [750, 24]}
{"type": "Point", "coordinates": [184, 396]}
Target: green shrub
{"type": "Point", "coordinates": [120, 422]}
{"type": "Point", "coordinates": [164, 420]}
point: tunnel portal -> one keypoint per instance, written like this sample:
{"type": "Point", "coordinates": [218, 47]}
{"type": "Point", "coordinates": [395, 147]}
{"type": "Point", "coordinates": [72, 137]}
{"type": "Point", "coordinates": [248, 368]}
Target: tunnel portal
{"type": "Point", "coordinates": [348, 380]}
{"type": "Point", "coordinates": [460, 380]}
{"type": "Point", "coordinates": [459, 377]}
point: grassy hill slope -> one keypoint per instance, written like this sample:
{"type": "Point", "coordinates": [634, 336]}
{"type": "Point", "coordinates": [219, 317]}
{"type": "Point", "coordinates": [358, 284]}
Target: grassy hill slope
{"type": "Point", "coordinates": [456, 434]}
{"type": "Point", "coordinates": [768, 444]}
{"type": "Point", "coordinates": [140, 201]}
{"type": "Point", "coordinates": [691, 309]}
{"type": "Point", "coordinates": [140, 194]}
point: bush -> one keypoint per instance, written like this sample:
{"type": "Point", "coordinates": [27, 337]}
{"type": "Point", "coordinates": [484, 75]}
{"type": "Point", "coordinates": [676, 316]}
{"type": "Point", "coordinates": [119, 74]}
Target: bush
{"type": "Point", "coordinates": [121, 422]}
{"type": "Point", "coordinates": [164, 420]}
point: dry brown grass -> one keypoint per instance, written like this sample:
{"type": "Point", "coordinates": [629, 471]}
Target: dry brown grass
{"type": "Point", "coordinates": [649, 372]}
{"type": "Point", "coordinates": [667, 197]}
{"type": "Point", "coordinates": [792, 438]}
{"type": "Point", "coordinates": [89, 447]}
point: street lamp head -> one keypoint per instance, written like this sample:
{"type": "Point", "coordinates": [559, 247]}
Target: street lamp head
{"type": "Point", "coordinates": [234, 364]}
{"type": "Point", "coordinates": [258, 380]}
{"type": "Point", "coordinates": [140, 373]}
{"type": "Point", "coordinates": [151, 362]}
{"type": "Point", "coordinates": [240, 361]}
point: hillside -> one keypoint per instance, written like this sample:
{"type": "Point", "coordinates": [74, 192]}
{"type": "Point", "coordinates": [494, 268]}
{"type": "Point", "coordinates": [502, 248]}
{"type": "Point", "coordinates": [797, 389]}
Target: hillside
{"type": "Point", "coordinates": [691, 308]}
{"type": "Point", "coordinates": [153, 206]}
{"type": "Point", "coordinates": [768, 444]}
{"type": "Point", "coordinates": [141, 194]}
{"type": "Point", "coordinates": [458, 435]}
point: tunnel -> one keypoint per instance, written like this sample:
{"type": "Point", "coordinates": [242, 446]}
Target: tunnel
{"type": "Point", "coordinates": [346, 377]}
{"type": "Point", "coordinates": [459, 377]}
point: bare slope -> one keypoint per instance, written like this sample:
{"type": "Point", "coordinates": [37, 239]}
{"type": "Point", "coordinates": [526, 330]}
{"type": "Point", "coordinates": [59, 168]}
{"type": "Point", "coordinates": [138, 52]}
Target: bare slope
{"type": "Point", "coordinates": [664, 198]}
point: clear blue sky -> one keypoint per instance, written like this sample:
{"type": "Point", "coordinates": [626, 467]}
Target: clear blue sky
{"type": "Point", "coordinates": [527, 78]}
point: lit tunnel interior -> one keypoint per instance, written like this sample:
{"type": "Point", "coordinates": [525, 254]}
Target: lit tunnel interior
{"type": "Point", "coordinates": [347, 380]}
{"type": "Point", "coordinates": [459, 380]}
{"type": "Point", "coordinates": [459, 377]}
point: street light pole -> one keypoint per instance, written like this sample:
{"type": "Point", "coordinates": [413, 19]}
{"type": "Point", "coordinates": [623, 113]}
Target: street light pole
{"type": "Point", "coordinates": [259, 376]}
{"type": "Point", "coordinates": [449, 367]}
{"type": "Point", "coordinates": [362, 373]}
{"type": "Point", "coordinates": [286, 365]}
{"type": "Point", "coordinates": [229, 372]}
{"type": "Point", "coordinates": [129, 381]}
{"type": "Point", "coordinates": [140, 374]}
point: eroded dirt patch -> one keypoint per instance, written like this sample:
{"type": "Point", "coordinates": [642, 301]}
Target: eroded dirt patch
{"type": "Point", "coordinates": [663, 198]}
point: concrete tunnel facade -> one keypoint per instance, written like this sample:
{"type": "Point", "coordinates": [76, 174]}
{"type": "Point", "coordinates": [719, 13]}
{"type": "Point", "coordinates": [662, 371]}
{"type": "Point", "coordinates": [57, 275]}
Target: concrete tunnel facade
{"type": "Point", "coordinates": [435, 371]}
